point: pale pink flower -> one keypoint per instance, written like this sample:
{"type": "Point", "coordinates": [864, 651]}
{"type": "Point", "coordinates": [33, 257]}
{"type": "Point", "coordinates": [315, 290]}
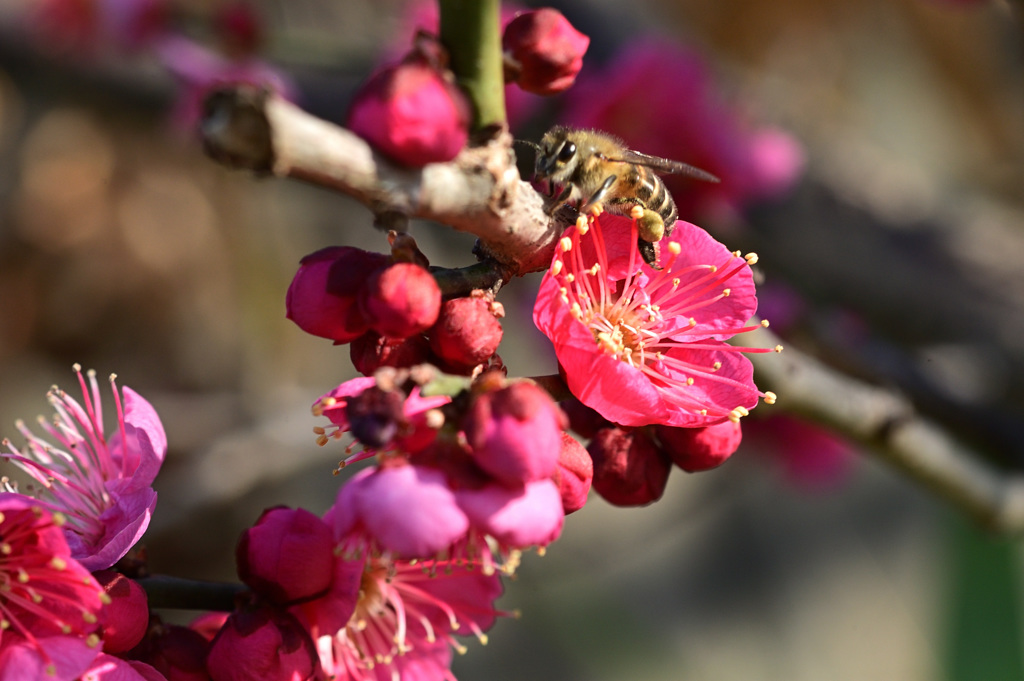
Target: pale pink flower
{"type": "Point", "coordinates": [102, 486]}
{"type": "Point", "coordinates": [49, 604]}
{"type": "Point", "coordinates": [407, 618]}
{"type": "Point", "coordinates": [643, 346]}
{"type": "Point", "coordinates": [407, 510]}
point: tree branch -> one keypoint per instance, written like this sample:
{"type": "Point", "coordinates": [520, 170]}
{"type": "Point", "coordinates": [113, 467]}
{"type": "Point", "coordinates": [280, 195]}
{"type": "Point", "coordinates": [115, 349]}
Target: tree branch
{"type": "Point", "coordinates": [888, 425]}
{"type": "Point", "coordinates": [479, 192]}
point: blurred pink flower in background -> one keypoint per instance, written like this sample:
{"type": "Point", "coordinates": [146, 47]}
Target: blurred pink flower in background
{"type": "Point", "coordinates": [103, 487]}
{"type": "Point", "coordinates": [200, 70]}
{"type": "Point", "coordinates": [661, 99]}
{"type": "Point", "coordinates": [810, 456]}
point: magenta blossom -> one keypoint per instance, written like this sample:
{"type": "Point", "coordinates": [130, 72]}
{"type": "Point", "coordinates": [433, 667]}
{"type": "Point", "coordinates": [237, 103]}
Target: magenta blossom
{"type": "Point", "coordinates": [109, 668]}
{"type": "Point", "coordinates": [49, 603]}
{"type": "Point", "coordinates": [102, 486]}
{"type": "Point", "coordinates": [643, 346]}
{"type": "Point", "coordinates": [411, 422]}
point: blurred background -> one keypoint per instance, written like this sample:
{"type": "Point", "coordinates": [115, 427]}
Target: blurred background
{"type": "Point", "coordinates": [872, 153]}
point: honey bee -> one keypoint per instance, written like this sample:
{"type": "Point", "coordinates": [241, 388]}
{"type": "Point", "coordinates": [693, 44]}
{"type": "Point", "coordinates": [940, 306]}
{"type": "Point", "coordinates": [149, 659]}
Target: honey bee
{"type": "Point", "coordinates": [598, 169]}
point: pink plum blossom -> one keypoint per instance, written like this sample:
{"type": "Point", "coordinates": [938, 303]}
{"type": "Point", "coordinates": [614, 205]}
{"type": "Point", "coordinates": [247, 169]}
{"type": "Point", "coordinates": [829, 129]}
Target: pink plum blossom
{"type": "Point", "coordinates": [643, 346]}
{"type": "Point", "coordinates": [407, 617]}
{"type": "Point", "coordinates": [49, 604]}
{"type": "Point", "coordinates": [102, 486]}
{"type": "Point", "coordinates": [412, 431]}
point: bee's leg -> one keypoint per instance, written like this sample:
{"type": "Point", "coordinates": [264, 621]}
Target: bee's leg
{"type": "Point", "coordinates": [553, 203]}
{"type": "Point", "coordinates": [648, 253]}
{"type": "Point", "coordinates": [599, 195]}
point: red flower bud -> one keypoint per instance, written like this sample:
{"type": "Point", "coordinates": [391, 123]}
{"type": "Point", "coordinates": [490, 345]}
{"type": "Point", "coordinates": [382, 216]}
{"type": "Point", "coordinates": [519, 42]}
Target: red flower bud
{"type": "Point", "coordinates": [371, 351]}
{"type": "Point", "coordinates": [700, 449]}
{"type": "Point", "coordinates": [467, 331]}
{"type": "Point", "coordinates": [628, 469]}
{"type": "Point", "coordinates": [287, 555]}
{"type": "Point", "coordinates": [322, 296]}
{"type": "Point", "coordinates": [543, 52]}
{"type": "Point", "coordinates": [262, 643]}
{"type": "Point", "coordinates": [574, 474]}
{"type": "Point", "coordinates": [179, 653]}
{"type": "Point", "coordinates": [400, 300]}
{"type": "Point", "coordinates": [413, 111]}
{"type": "Point", "coordinates": [126, 616]}
{"type": "Point", "coordinates": [582, 418]}
{"type": "Point", "coordinates": [515, 433]}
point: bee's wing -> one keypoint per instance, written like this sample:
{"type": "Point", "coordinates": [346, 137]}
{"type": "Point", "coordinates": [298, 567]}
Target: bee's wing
{"type": "Point", "coordinates": [663, 165]}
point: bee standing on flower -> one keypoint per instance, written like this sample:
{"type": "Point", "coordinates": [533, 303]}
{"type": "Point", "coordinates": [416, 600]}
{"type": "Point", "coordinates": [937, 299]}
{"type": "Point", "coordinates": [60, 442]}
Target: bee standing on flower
{"type": "Point", "coordinates": [600, 170]}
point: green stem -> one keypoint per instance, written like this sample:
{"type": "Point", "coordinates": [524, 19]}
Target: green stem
{"type": "Point", "coordinates": [471, 32]}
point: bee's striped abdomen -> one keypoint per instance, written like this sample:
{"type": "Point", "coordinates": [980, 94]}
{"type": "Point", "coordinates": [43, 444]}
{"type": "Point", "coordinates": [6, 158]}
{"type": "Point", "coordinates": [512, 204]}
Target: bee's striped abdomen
{"type": "Point", "coordinates": [652, 191]}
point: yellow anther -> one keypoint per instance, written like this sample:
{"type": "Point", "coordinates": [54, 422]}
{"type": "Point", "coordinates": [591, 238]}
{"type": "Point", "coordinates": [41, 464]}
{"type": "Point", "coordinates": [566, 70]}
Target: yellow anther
{"type": "Point", "coordinates": [751, 258]}
{"type": "Point", "coordinates": [5, 549]}
{"type": "Point", "coordinates": [689, 381]}
{"type": "Point", "coordinates": [22, 575]}
{"type": "Point", "coordinates": [576, 311]}
{"type": "Point", "coordinates": [676, 282]}
{"type": "Point", "coordinates": [58, 563]}
{"type": "Point", "coordinates": [674, 248]}
{"type": "Point", "coordinates": [736, 254]}
{"type": "Point", "coordinates": [595, 269]}
{"type": "Point", "coordinates": [716, 366]}
{"type": "Point", "coordinates": [104, 598]}
{"type": "Point", "coordinates": [92, 640]}
{"type": "Point", "coordinates": [727, 292]}
{"type": "Point", "coordinates": [89, 618]}
{"type": "Point", "coordinates": [713, 268]}
{"type": "Point", "coordinates": [319, 430]}
{"type": "Point", "coordinates": [770, 397]}
{"type": "Point", "coordinates": [764, 323]}
{"type": "Point", "coordinates": [581, 225]}
{"type": "Point", "coordinates": [556, 268]}
{"type": "Point", "coordinates": [636, 212]}
{"type": "Point", "coordinates": [570, 277]}
{"type": "Point", "coordinates": [596, 209]}
{"type": "Point", "coordinates": [322, 440]}
{"type": "Point", "coordinates": [692, 322]}
{"type": "Point", "coordinates": [778, 348]}
{"type": "Point", "coordinates": [565, 243]}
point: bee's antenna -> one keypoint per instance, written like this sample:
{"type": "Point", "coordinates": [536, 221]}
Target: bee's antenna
{"type": "Point", "coordinates": [528, 143]}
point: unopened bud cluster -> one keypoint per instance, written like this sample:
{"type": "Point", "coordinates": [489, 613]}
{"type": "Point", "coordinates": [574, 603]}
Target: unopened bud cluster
{"type": "Point", "coordinates": [390, 309]}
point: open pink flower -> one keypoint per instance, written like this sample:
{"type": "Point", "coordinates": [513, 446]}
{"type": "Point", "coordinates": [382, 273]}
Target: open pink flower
{"type": "Point", "coordinates": [407, 618]}
{"type": "Point", "coordinates": [49, 604]}
{"type": "Point", "coordinates": [643, 346]}
{"type": "Point", "coordinates": [102, 486]}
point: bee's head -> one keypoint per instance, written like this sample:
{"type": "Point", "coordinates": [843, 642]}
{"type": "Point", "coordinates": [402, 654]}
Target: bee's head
{"type": "Point", "coordinates": [557, 156]}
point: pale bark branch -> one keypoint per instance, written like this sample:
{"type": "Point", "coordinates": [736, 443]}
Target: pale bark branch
{"type": "Point", "coordinates": [479, 192]}
{"type": "Point", "coordinates": [888, 425]}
